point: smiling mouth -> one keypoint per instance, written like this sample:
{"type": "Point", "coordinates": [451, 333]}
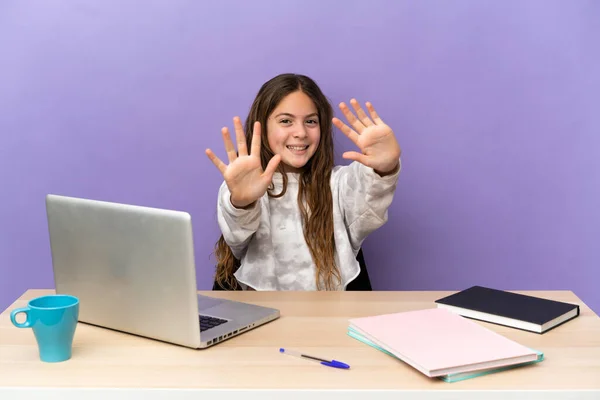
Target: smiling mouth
{"type": "Point", "coordinates": [297, 148]}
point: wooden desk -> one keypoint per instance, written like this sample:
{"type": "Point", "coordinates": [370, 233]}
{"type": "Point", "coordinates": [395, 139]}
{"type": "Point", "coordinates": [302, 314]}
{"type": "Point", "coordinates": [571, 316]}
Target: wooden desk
{"type": "Point", "coordinates": [312, 322]}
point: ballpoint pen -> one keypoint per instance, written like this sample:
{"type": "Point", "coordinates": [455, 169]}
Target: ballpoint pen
{"type": "Point", "coordinates": [329, 363]}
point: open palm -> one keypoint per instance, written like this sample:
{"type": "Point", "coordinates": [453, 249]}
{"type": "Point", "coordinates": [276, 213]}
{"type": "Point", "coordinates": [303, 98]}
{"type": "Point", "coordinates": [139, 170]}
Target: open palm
{"type": "Point", "coordinates": [244, 176]}
{"type": "Point", "coordinates": [378, 146]}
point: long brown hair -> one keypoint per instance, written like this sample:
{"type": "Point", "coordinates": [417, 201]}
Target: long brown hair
{"type": "Point", "coordinates": [314, 189]}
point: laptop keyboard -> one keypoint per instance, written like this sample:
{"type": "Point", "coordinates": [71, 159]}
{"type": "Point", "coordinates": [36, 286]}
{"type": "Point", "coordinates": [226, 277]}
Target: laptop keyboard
{"type": "Point", "coordinates": [207, 322]}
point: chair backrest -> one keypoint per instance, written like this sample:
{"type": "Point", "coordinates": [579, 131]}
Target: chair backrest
{"type": "Point", "coordinates": [361, 283]}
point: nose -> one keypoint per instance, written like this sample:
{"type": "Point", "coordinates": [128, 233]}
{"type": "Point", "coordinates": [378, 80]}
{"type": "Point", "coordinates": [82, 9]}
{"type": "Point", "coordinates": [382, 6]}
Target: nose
{"type": "Point", "coordinates": [300, 132]}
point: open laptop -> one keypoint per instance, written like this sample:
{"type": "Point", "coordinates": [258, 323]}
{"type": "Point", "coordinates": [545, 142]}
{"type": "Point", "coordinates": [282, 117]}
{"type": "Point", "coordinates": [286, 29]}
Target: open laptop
{"type": "Point", "coordinates": [133, 270]}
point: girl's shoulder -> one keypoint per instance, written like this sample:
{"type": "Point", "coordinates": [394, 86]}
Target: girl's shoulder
{"type": "Point", "coordinates": [341, 170]}
{"type": "Point", "coordinates": [343, 173]}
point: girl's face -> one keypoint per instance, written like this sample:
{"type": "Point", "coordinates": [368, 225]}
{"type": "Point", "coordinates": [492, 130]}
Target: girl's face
{"type": "Point", "coordinates": [293, 130]}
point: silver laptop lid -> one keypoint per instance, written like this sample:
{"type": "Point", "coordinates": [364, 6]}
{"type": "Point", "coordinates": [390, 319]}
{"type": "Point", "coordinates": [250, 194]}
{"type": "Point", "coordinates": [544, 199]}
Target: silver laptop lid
{"type": "Point", "coordinates": [132, 267]}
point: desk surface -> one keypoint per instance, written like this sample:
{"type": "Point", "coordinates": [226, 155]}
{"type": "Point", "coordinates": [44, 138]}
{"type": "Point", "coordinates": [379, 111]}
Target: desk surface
{"type": "Point", "coordinates": [311, 322]}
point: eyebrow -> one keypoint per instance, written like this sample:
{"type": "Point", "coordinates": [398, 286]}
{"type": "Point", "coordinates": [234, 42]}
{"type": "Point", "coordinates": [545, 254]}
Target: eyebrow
{"type": "Point", "coordinates": [293, 116]}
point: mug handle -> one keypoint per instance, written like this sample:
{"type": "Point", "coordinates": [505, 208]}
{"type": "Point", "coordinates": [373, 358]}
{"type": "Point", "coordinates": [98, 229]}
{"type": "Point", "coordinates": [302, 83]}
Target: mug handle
{"type": "Point", "coordinates": [13, 318]}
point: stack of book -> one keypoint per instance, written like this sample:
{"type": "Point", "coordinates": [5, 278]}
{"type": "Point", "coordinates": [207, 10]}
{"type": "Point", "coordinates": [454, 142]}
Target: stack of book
{"type": "Point", "coordinates": [441, 343]}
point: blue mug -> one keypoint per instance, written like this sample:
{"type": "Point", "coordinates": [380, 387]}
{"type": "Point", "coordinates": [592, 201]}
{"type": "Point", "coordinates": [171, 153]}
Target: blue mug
{"type": "Point", "coordinates": [53, 319]}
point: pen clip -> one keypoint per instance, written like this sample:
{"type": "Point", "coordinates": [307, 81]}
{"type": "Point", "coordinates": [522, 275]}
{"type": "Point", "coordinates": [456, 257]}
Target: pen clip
{"type": "Point", "coordinates": [335, 364]}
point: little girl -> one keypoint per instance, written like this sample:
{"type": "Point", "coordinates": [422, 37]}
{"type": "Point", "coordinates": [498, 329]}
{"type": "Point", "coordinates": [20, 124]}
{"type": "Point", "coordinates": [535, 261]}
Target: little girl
{"type": "Point", "coordinates": [290, 219]}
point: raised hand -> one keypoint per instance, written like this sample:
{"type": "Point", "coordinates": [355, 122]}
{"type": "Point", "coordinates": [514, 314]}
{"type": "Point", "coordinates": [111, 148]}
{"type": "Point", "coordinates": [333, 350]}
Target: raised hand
{"type": "Point", "coordinates": [378, 146]}
{"type": "Point", "coordinates": [245, 178]}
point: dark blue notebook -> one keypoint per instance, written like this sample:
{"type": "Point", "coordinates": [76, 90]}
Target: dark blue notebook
{"type": "Point", "coordinates": [510, 309]}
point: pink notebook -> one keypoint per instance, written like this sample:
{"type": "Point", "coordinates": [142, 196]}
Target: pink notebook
{"type": "Point", "coordinates": [439, 342]}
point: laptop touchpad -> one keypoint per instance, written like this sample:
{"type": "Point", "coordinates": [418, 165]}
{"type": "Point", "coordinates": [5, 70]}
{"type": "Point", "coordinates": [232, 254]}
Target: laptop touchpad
{"type": "Point", "coordinates": [204, 302]}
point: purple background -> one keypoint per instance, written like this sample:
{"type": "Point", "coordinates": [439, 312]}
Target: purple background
{"type": "Point", "coordinates": [495, 105]}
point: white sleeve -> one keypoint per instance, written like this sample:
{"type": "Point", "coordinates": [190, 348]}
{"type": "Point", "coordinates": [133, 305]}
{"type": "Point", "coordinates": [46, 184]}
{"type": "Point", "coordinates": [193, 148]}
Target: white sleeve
{"type": "Point", "coordinates": [237, 225]}
{"type": "Point", "coordinates": [364, 198]}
